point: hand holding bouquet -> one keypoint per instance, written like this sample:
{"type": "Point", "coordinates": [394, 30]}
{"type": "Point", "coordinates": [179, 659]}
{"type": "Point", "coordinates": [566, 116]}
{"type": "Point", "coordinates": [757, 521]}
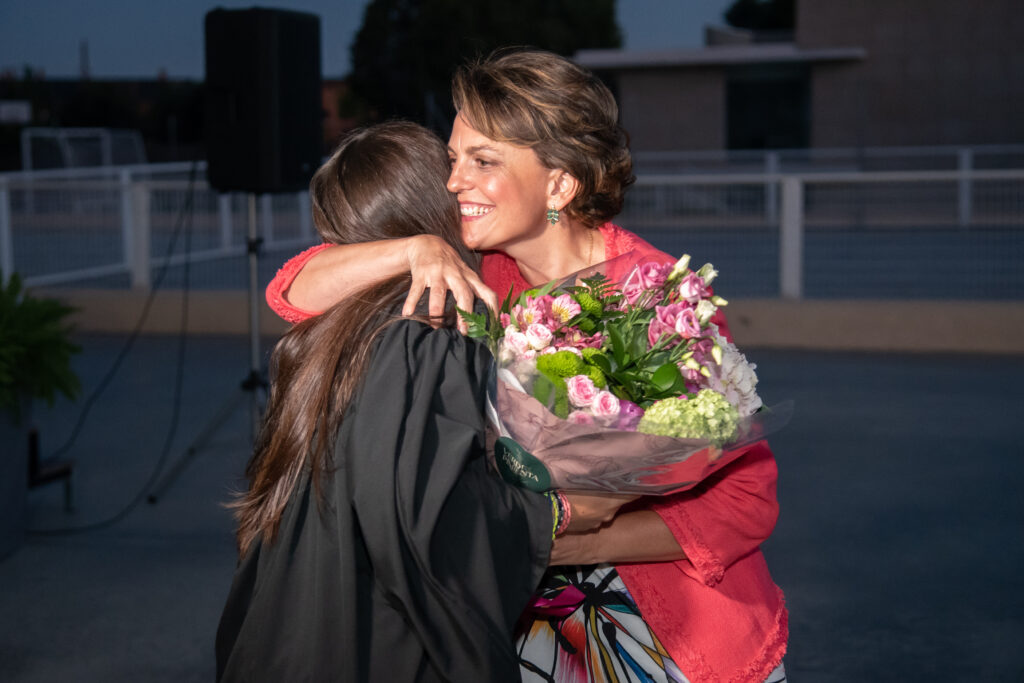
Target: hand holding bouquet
{"type": "Point", "coordinates": [625, 387]}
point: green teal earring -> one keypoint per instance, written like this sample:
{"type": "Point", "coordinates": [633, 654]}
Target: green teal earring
{"type": "Point", "coordinates": [552, 215]}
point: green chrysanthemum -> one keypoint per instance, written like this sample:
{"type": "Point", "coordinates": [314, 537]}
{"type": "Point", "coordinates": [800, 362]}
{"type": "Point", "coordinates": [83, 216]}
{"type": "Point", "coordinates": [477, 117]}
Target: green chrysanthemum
{"type": "Point", "coordinates": [708, 415]}
{"type": "Point", "coordinates": [589, 304]}
{"type": "Point", "coordinates": [561, 364]}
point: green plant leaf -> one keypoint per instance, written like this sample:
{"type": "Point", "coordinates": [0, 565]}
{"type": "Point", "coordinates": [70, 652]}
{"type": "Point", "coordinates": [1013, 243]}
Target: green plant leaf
{"type": "Point", "coordinates": [35, 347]}
{"type": "Point", "coordinates": [477, 324]}
{"type": "Point", "coordinates": [665, 378]}
{"type": "Point", "coordinates": [618, 346]}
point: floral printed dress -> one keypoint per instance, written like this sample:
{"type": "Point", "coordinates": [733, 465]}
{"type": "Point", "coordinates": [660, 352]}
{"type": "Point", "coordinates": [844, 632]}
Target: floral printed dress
{"type": "Point", "coordinates": [584, 626]}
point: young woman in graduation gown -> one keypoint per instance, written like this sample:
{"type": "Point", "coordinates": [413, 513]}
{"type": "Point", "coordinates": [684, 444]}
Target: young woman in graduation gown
{"type": "Point", "coordinates": [374, 543]}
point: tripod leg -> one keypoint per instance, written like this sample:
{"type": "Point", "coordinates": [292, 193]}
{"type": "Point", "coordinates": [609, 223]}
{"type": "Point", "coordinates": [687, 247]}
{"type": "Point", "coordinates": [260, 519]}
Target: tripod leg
{"type": "Point", "coordinates": [251, 385]}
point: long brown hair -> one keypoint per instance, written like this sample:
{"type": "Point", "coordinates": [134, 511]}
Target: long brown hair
{"type": "Point", "coordinates": [383, 182]}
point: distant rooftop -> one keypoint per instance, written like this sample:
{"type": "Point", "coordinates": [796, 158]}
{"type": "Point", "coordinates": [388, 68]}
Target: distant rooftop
{"type": "Point", "coordinates": [719, 55]}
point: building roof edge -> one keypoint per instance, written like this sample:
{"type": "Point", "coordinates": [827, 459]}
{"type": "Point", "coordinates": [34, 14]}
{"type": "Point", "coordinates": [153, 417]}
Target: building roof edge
{"type": "Point", "coordinates": [715, 56]}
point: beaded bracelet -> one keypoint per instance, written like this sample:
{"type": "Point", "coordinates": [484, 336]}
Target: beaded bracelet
{"type": "Point", "coordinates": [566, 510]}
{"type": "Point", "coordinates": [556, 513]}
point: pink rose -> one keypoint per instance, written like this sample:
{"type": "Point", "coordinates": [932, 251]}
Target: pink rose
{"type": "Point", "coordinates": [539, 336]}
{"type": "Point", "coordinates": [581, 390]}
{"type": "Point", "coordinates": [579, 417]}
{"type": "Point", "coordinates": [687, 325]}
{"type": "Point", "coordinates": [516, 341]}
{"type": "Point", "coordinates": [605, 404]}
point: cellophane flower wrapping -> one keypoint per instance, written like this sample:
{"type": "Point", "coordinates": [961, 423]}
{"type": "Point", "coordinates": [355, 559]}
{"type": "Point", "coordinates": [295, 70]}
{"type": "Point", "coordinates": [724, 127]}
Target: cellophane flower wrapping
{"type": "Point", "coordinates": [616, 379]}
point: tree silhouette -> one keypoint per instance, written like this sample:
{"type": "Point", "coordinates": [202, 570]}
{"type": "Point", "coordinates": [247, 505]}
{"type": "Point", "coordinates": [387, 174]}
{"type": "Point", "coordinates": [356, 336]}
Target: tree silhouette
{"type": "Point", "coordinates": [762, 15]}
{"type": "Point", "coordinates": [405, 52]}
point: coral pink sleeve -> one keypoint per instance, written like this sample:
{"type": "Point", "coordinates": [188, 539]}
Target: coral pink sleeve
{"type": "Point", "coordinates": [725, 517]}
{"type": "Point", "coordinates": [283, 280]}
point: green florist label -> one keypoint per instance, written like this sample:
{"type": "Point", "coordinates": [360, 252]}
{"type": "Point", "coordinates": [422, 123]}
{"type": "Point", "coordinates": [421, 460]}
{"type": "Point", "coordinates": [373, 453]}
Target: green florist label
{"type": "Point", "coordinates": [518, 467]}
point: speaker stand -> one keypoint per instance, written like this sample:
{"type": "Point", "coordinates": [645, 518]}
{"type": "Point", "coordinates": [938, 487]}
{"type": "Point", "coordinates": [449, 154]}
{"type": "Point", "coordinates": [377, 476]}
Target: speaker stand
{"type": "Point", "coordinates": [249, 388]}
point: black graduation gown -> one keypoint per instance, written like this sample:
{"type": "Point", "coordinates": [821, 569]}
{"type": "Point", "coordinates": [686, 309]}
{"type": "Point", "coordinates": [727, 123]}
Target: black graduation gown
{"type": "Point", "coordinates": [419, 561]}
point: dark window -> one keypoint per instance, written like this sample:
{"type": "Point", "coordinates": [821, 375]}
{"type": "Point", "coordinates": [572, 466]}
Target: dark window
{"type": "Point", "coordinates": [768, 107]}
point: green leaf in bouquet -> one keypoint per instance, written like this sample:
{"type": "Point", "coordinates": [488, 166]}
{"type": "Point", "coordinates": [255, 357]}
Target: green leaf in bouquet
{"type": "Point", "coordinates": [506, 305]}
{"type": "Point", "coordinates": [623, 392]}
{"type": "Point", "coordinates": [537, 292]}
{"type": "Point", "coordinates": [600, 287]}
{"type": "Point", "coordinates": [618, 345]}
{"type": "Point", "coordinates": [598, 359]}
{"type": "Point", "coordinates": [553, 394]}
{"type": "Point", "coordinates": [637, 347]}
{"type": "Point", "coordinates": [667, 378]}
{"type": "Point", "coordinates": [658, 358]}
{"type": "Point", "coordinates": [477, 324]}
{"type": "Point", "coordinates": [543, 389]}
{"type": "Point", "coordinates": [561, 408]}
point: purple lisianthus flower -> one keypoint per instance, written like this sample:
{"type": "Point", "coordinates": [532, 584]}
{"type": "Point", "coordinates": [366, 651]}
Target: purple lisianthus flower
{"type": "Point", "coordinates": [687, 325]}
{"type": "Point", "coordinates": [664, 322]}
{"type": "Point", "coordinates": [693, 288]}
{"type": "Point", "coordinates": [629, 415]}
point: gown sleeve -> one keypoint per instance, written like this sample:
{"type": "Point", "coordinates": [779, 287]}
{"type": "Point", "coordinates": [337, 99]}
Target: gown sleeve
{"type": "Point", "coordinates": [283, 280]}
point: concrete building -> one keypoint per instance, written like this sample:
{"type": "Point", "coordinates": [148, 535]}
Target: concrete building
{"type": "Point", "coordinates": [854, 73]}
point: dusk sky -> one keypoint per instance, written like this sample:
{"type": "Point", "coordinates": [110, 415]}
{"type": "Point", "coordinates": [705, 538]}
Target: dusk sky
{"type": "Point", "coordinates": [138, 39]}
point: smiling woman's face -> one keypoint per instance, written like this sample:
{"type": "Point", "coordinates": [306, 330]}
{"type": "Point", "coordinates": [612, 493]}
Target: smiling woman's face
{"type": "Point", "coordinates": [503, 190]}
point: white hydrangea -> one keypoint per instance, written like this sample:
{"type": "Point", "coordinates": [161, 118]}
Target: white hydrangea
{"type": "Point", "coordinates": [735, 379]}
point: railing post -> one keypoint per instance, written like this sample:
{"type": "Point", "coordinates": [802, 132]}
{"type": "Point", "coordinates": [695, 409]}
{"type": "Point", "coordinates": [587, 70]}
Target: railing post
{"type": "Point", "coordinates": [224, 215]}
{"type": "Point", "coordinates": [771, 188]}
{"type": "Point", "coordinates": [305, 216]}
{"type": "Point", "coordinates": [791, 239]}
{"type": "Point", "coordinates": [127, 218]}
{"type": "Point", "coordinates": [140, 266]}
{"type": "Point", "coordinates": [6, 240]}
{"type": "Point", "coordinates": [965, 164]}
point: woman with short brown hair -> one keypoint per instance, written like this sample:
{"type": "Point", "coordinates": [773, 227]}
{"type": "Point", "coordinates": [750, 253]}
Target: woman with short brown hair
{"type": "Point", "coordinates": [673, 588]}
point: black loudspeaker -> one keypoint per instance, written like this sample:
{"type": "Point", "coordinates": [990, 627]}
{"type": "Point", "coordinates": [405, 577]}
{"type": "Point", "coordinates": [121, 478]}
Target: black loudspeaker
{"type": "Point", "coordinates": [264, 115]}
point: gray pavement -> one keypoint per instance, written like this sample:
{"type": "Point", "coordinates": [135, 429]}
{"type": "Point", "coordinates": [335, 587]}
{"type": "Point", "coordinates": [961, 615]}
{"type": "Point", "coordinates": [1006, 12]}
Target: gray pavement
{"type": "Point", "coordinates": [898, 546]}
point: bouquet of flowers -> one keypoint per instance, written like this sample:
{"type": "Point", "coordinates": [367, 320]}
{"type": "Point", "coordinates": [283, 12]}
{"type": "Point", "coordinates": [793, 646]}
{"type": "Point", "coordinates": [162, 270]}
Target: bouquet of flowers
{"type": "Point", "coordinates": [625, 387]}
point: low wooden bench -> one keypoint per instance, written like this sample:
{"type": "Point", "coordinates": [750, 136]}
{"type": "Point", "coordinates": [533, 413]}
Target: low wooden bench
{"type": "Point", "coordinates": [44, 472]}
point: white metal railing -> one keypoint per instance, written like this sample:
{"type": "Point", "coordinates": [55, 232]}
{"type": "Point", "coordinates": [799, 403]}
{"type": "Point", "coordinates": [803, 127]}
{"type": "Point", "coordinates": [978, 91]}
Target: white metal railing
{"type": "Point", "coordinates": [789, 217]}
{"type": "Point", "coordinates": [824, 159]}
{"type": "Point", "coordinates": [790, 235]}
{"type": "Point", "coordinates": [118, 221]}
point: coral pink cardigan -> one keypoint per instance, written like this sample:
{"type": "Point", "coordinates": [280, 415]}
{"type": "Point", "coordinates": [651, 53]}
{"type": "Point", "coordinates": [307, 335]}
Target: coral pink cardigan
{"type": "Point", "coordinates": [718, 612]}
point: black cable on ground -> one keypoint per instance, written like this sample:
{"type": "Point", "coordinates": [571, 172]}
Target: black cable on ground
{"type": "Point", "coordinates": [184, 219]}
